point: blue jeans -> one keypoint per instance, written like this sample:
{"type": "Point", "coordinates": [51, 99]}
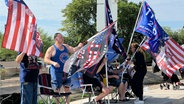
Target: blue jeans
{"type": "Point", "coordinates": [29, 93]}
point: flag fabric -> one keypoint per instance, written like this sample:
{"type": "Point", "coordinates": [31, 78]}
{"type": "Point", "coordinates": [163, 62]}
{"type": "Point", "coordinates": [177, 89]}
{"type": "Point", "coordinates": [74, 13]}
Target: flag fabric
{"type": "Point", "coordinates": [6, 2]}
{"type": "Point", "coordinates": [171, 58]}
{"type": "Point", "coordinates": [145, 45]}
{"type": "Point", "coordinates": [148, 26]}
{"type": "Point", "coordinates": [111, 53]}
{"type": "Point", "coordinates": [89, 55]}
{"type": "Point", "coordinates": [114, 41]}
{"type": "Point", "coordinates": [21, 31]}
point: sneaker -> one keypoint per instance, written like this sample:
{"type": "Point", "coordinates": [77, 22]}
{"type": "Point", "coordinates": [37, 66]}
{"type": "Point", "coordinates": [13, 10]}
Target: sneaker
{"type": "Point", "coordinates": [139, 102]}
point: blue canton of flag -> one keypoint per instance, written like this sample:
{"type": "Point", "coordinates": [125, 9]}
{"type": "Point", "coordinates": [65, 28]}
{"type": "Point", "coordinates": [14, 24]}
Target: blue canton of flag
{"type": "Point", "coordinates": [114, 41]}
{"type": "Point", "coordinates": [88, 58]}
{"type": "Point", "coordinates": [6, 2]}
{"type": "Point", "coordinates": [99, 38]}
{"type": "Point", "coordinates": [148, 25]}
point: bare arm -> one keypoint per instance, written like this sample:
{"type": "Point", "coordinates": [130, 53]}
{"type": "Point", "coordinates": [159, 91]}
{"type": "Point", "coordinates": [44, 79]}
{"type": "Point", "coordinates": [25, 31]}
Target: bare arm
{"type": "Point", "coordinates": [73, 49]}
{"type": "Point", "coordinates": [19, 57]}
{"type": "Point", "coordinates": [48, 55]}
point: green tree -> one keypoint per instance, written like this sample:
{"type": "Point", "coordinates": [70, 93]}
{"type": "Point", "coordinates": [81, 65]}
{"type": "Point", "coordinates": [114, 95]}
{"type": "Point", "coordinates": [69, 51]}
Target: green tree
{"type": "Point", "coordinates": [46, 39]}
{"type": "Point", "coordinates": [80, 22]}
{"type": "Point", "coordinates": [127, 14]}
{"type": "Point", "coordinates": [178, 35]}
{"type": "Point", "coordinates": [5, 54]}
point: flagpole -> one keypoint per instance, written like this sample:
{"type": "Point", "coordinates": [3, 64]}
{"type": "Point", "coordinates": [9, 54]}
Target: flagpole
{"type": "Point", "coordinates": [132, 57]}
{"type": "Point", "coordinates": [106, 72]}
{"type": "Point", "coordinates": [134, 27]}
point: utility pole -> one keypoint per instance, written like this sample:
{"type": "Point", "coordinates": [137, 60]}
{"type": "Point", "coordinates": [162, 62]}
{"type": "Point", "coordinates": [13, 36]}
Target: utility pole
{"type": "Point", "coordinates": [101, 22]}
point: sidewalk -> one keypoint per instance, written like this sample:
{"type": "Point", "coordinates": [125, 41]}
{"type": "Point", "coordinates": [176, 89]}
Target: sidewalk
{"type": "Point", "coordinates": [153, 96]}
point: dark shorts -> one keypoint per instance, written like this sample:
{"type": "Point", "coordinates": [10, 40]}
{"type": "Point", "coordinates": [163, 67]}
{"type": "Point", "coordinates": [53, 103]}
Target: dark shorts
{"type": "Point", "coordinates": [94, 81]}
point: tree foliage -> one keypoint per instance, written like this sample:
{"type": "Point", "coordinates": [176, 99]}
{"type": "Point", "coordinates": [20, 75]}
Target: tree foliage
{"type": "Point", "coordinates": [127, 14]}
{"type": "Point", "coordinates": [46, 39]}
{"type": "Point", "coordinates": [178, 35]}
{"type": "Point", "coordinates": [80, 22]}
{"type": "Point", "coordinates": [5, 54]}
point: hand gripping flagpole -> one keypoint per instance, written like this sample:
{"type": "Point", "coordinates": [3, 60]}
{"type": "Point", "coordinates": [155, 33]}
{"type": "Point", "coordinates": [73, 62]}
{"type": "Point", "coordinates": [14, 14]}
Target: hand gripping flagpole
{"type": "Point", "coordinates": [132, 58]}
{"type": "Point", "coordinates": [134, 27]}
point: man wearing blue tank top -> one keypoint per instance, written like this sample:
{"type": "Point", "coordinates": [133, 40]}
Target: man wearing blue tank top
{"type": "Point", "coordinates": [56, 55]}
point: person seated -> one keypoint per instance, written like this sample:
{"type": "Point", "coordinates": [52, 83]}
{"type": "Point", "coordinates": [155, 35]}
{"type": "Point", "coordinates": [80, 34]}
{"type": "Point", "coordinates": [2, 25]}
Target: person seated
{"type": "Point", "coordinates": [115, 80]}
{"type": "Point", "coordinates": [99, 86]}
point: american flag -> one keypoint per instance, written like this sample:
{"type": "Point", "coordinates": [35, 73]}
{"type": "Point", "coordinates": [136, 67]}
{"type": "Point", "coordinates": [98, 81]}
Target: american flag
{"type": "Point", "coordinates": [171, 58]}
{"type": "Point", "coordinates": [89, 56]}
{"type": "Point", "coordinates": [21, 31]}
{"type": "Point", "coordinates": [145, 45]}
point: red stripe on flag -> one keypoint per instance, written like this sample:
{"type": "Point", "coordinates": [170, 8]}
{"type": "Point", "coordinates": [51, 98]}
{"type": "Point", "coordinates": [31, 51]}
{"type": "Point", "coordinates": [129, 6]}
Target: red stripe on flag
{"type": "Point", "coordinates": [24, 33]}
{"type": "Point", "coordinates": [176, 52]}
{"type": "Point", "coordinates": [17, 26]}
{"type": "Point", "coordinates": [8, 24]}
{"type": "Point", "coordinates": [21, 24]}
{"type": "Point", "coordinates": [175, 61]}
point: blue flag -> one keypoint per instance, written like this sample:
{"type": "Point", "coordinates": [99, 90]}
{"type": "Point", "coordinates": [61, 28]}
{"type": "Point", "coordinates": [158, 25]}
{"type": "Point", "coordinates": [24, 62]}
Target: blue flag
{"type": "Point", "coordinates": [111, 53]}
{"type": "Point", "coordinates": [148, 26]}
{"type": "Point", "coordinates": [6, 2]}
{"type": "Point", "coordinates": [114, 41]}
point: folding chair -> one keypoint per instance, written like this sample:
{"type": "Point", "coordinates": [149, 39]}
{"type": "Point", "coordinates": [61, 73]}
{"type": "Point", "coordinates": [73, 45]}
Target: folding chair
{"type": "Point", "coordinates": [47, 91]}
{"type": "Point", "coordinates": [86, 88]}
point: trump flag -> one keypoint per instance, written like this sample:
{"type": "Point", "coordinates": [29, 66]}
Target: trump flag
{"type": "Point", "coordinates": [21, 31]}
{"type": "Point", "coordinates": [148, 26]}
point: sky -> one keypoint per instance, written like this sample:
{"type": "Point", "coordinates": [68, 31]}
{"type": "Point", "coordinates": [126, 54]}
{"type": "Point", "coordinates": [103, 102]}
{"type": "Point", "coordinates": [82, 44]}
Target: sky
{"type": "Point", "coordinates": [48, 13]}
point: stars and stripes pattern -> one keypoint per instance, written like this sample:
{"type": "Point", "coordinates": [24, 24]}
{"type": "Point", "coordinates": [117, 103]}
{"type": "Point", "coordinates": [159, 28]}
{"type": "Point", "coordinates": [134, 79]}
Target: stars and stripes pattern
{"type": "Point", "coordinates": [21, 31]}
{"type": "Point", "coordinates": [172, 58]}
{"type": "Point", "coordinates": [145, 45]}
{"type": "Point", "coordinates": [88, 58]}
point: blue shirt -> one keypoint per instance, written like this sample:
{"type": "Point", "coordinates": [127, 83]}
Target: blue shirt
{"type": "Point", "coordinates": [60, 57]}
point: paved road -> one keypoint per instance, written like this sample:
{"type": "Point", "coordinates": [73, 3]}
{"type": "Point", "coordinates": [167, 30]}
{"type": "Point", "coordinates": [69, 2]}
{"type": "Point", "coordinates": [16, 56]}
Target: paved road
{"type": "Point", "coordinates": [152, 92]}
{"type": "Point", "coordinates": [153, 96]}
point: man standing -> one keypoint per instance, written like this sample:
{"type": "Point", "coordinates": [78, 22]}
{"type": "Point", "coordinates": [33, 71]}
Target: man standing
{"type": "Point", "coordinates": [29, 70]}
{"type": "Point", "coordinates": [56, 55]}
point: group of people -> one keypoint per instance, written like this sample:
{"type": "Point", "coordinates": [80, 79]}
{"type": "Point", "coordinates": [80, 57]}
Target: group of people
{"type": "Point", "coordinates": [57, 54]}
